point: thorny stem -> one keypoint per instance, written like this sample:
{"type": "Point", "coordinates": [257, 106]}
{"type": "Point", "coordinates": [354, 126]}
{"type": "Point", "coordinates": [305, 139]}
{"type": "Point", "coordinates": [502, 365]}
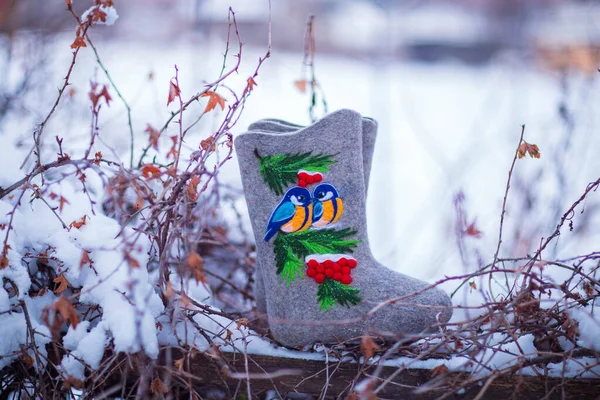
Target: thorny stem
{"type": "Point", "coordinates": [116, 89]}
{"type": "Point", "coordinates": [510, 172]}
{"type": "Point", "coordinates": [309, 61]}
{"type": "Point", "coordinates": [37, 134]}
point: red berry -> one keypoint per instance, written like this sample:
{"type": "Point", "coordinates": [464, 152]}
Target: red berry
{"type": "Point", "coordinates": [337, 276]}
{"type": "Point", "coordinates": [336, 267]}
{"type": "Point", "coordinates": [320, 269]}
{"type": "Point", "coordinates": [343, 261]}
{"type": "Point", "coordinates": [311, 272]}
{"type": "Point", "coordinates": [346, 270]}
{"type": "Point", "coordinates": [310, 179]}
{"type": "Point", "coordinates": [302, 176]}
{"type": "Point", "coordinates": [352, 263]}
{"type": "Point", "coordinates": [319, 278]}
{"type": "Point", "coordinates": [317, 178]}
{"type": "Point", "coordinates": [329, 273]}
{"type": "Point", "coordinates": [312, 263]}
{"type": "Point", "coordinates": [346, 279]}
{"type": "Point", "coordinates": [302, 183]}
{"type": "Point", "coordinates": [328, 264]}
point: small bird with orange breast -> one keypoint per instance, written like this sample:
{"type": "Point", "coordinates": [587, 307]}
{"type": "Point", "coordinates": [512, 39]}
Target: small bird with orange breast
{"type": "Point", "coordinates": [293, 214]}
{"type": "Point", "coordinates": [328, 206]}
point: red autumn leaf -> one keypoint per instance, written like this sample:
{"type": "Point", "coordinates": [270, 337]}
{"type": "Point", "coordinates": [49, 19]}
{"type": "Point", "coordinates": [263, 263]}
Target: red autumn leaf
{"type": "Point", "coordinates": [473, 231]}
{"type": "Point", "coordinates": [525, 148]}
{"type": "Point", "coordinates": [174, 92]}
{"type": "Point", "coordinates": [104, 93]}
{"type": "Point", "coordinates": [192, 188]}
{"type": "Point", "coordinates": [150, 171]}
{"type": "Point", "coordinates": [92, 94]}
{"type": "Point", "coordinates": [251, 84]}
{"type": "Point", "coordinates": [79, 42]}
{"type": "Point", "coordinates": [301, 85]}
{"type": "Point", "coordinates": [97, 157]}
{"type": "Point", "coordinates": [78, 224]}
{"type": "Point", "coordinates": [473, 285]}
{"type": "Point", "coordinates": [368, 347]}
{"type": "Point", "coordinates": [173, 150]}
{"type": "Point", "coordinates": [154, 136]}
{"type": "Point", "coordinates": [65, 309]}
{"type": "Point", "coordinates": [61, 203]}
{"type": "Point", "coordinates": [85, 259]}
{"type": "Point", "coordinates": [62, 282]}
{"type": "Point", "coordinates": [213, 100]}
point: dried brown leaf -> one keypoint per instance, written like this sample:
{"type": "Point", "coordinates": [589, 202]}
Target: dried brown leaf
{"type": "Point", "coordinates": [368, 347]}
{"type": "Point", "coordinates": [251, 84]}
{"type": "Point", "coordinates": [158, 387]}
{"type": "Point", "coordinates": [65, 309]}
{"type": "Point", "coordinates": [192, 188]}
{"type": "Point", "coordinates": [62, 282]}
{"type": "Point", "coordinates": [213, 99]}
{"type": "Point", "coordinates": [154, 136]}
{"type": "Point", "coordinates": [78, 224]}
{"type": "Point", "coordinates": [526, 148]}
{"type": "Point", "coordinates": [195, 262]}
{"type": "Point", "coordinates": [174, 92]}
{"type": "Point", "coordinates": [439, 370]}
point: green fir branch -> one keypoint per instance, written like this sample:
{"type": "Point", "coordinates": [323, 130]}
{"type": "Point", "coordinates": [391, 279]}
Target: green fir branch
{"type": "Point", "coordinates": [331, 292]}
{"type": "Point", "coordinates": [292, 268]}
{"type": "Point", "coordinates": [280, 170]}
{"type": "Point", "coordinates": [294, 247]}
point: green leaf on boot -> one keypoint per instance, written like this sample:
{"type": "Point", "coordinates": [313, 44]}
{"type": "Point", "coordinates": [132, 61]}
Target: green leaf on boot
{"type": "Point", "coordinates": [281, 170]}
{"type": "Point", "coordinates": [331, 292]}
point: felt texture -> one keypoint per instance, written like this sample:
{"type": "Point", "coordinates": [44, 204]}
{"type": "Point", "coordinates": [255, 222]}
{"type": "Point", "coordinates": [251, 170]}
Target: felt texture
{"type": "Point", "coordinates": [272, 125]}
{"type": "Point", "coordinates": [293, 311]}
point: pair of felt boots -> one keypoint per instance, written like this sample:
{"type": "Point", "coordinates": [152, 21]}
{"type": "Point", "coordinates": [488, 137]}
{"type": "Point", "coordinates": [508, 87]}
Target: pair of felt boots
{"type": "Point", "coordinates": [316, 278]}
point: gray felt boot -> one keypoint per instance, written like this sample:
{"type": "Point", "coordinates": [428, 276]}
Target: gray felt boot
{"type": "Point", "coordinates": [272, 125]}
{"type": "Point", "coordinates": [306, 198]}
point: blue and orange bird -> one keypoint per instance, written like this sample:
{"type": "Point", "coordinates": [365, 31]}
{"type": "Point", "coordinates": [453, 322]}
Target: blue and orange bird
{"type": "Point", "coordinates": [328, 207]}
{"type": "Point", "coordinates": [293, 214]}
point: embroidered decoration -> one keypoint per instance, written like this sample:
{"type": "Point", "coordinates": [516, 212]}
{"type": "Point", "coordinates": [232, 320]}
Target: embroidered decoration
{"type": "Point", "coordinates": [332, 273]}
{"type": "Point", "coordinates": [293, 214]}
{"type": "Point", "coordinates": [328, 207]}
{"type": "Point", "coordinates": [292, 248]}
{"type": "Point", "coordinates": [301, 222]}
{"type": "Point", "coordinates": [281, 170]}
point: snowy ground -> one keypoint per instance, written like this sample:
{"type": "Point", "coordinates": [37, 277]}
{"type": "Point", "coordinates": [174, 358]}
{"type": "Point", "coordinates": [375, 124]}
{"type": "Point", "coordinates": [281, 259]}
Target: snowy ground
{"type": "Point", "coordinates": [444, 128]}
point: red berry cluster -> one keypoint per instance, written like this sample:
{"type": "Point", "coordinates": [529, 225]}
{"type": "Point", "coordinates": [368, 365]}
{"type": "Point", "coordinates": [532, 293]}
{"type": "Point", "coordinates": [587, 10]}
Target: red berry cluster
{"type": "Point", "coordinates": [337, 270]}
{"type": "Point", "coordinates": [308, 178]}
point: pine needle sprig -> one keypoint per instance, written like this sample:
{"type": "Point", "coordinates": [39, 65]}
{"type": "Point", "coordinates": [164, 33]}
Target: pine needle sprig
{"type": "Point", "coordinates": [331, 292]}
{"type": "Point", "coordinates": [281, 170]}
